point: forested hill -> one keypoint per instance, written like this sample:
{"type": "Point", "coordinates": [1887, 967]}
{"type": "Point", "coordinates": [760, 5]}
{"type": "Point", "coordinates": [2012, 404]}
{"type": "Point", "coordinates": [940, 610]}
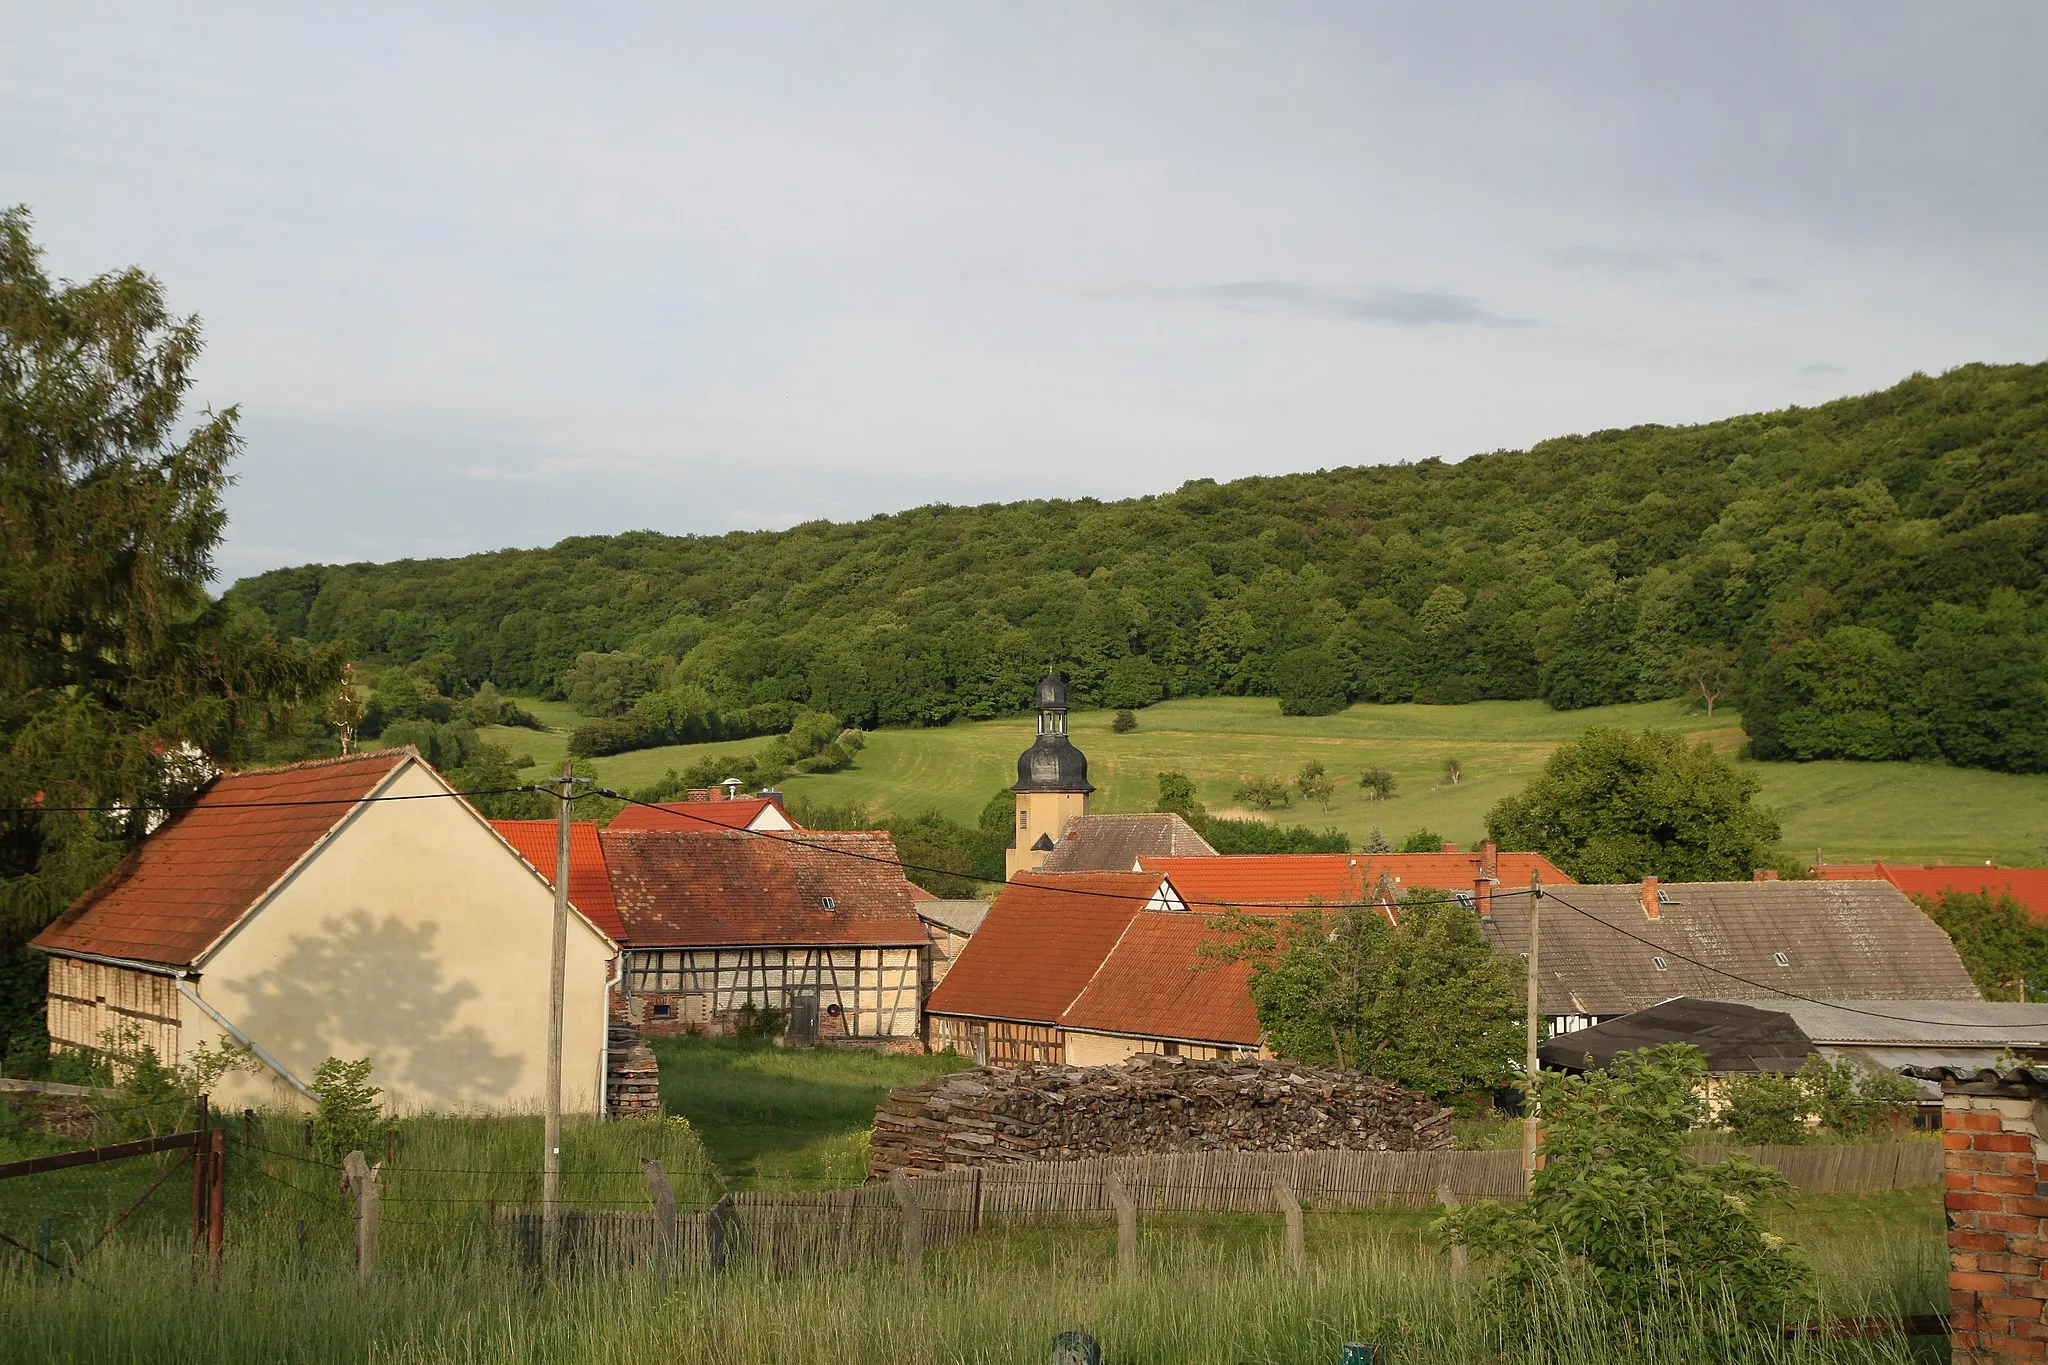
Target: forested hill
{"type": "Point", "coordinates": [1871, 570]}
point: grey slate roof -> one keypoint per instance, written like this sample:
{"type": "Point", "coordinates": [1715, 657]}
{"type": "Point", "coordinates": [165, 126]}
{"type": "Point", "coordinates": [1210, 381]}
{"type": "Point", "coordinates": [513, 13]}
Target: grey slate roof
{"type": "Point", "coordinates": [1840, 940]}
{"type": "Point", "coordinates": [1115, 843]}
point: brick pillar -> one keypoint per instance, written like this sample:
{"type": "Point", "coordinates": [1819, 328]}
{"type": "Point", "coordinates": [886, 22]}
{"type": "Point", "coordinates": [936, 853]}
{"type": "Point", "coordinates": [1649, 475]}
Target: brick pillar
{"type": "Point", "coordinates": [1995, 1134]}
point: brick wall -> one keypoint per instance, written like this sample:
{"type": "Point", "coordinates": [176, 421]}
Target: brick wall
{"type": "Point", "coordinates": [1993, 1136]}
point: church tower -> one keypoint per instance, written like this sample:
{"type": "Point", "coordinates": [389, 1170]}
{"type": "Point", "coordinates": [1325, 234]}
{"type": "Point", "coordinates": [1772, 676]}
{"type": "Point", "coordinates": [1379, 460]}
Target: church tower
{"type": "Point", "coordinates": [1052, 782]}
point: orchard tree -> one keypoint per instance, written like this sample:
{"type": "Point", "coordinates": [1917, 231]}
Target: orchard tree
{"type": "Point", "coordinates": [1424, 1003]}
{"type": "Point", "coordinates": [123, 684]}
{"type": "Point", "coordinates": [1616, 805]}
{"type": "Point", "coordinates": [1708, 670]}
{"type": "Point", "coordinates": [1315, 784]}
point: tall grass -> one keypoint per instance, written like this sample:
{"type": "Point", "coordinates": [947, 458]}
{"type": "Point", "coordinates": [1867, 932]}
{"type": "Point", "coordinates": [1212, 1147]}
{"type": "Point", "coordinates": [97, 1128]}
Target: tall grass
{"type": "Point", "coordinates": [1210, 1289]}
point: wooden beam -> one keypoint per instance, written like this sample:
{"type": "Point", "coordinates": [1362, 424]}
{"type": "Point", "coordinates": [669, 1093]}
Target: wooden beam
{"type": "Point", "coordinates": [92, 1156]}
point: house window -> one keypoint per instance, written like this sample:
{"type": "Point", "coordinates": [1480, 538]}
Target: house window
{"type": "Point", "coordinates": [1781, 959]}
{"type": "Point", "coordinates": [1661, 964]}
{"type": "Point", "coordinates": [829, 902]}
{"type": "Point", "coordinates": [664, 1011]}
{"type": "Point", "coordinates": [1664, 898]}
{"type": "Point", "coordinates": [1169, 1049]}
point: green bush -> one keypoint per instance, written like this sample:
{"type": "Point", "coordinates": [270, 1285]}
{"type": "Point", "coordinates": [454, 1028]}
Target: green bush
{"type": "Point", "coordinates": [1765, 1108]}
{"type": "Point", "coordinates": [347, 1118]}
{"type": "Point", "coordinates": [1623, 1224]}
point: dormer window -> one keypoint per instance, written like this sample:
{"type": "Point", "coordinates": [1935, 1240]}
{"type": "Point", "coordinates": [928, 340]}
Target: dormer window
{"type": "Point", "coordinates": [829, 902]}
{"type": "Point", "coordinates": [1781, 959]}
{"type": "Point", "coordinates": [1661, 964]}
{"type": "Point", "coordinates": [1664, 897]}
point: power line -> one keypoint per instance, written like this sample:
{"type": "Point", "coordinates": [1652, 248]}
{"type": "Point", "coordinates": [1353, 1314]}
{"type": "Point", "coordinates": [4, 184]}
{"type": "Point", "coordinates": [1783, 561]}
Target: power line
{"type": "Point", "coordinates": [1759, 985]}
{"type": "Point", "coordinates": [255, 805]}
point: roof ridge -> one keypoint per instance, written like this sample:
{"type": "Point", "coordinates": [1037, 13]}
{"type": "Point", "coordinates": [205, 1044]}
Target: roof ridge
{"type": "Point", "coordinates": [332, 761]}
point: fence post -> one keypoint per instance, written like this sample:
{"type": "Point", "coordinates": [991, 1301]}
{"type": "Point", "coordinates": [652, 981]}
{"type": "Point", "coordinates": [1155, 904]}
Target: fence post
{"type": "Point", "coordinates": [358, 1179]}
{"type": "Point", "coordinates": [1458, 1252]}
{"type": "Point", "coordinates": [200, 1167]}
{"type": "Point", "coordinates": [217, 1198]}
{"type": "Point", "coordinates": [974, 1214]}
{"type": "Point", "coordinates": [664, 1216]}
{"type": "Point", "coordinates": [714, 1232]}
{"type": "Point", "coordinates": [49, 1234]}
{"type": "Point", "coordinates": [1297, 1244]}
{"type": "Point", "coordinates": [248, 1127]}
{"type": "Point", "coordinates": [1126, 1225]}
{"type": "Point", "coordinates": [913, 1228]}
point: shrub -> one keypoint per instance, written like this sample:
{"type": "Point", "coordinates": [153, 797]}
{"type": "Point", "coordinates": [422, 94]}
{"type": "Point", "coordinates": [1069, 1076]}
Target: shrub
{"type": "Point", "coordinates": [1262, 793]}
{"type": "Point", "coordinates": [348, 1115]}
{"type": "Point", "coordinates": [1423, 840]}
{"type": "Point", "coordinates": [1125, 722]}
{"type": "Point", "coordinates": [1622, 1223]}
{"type": "Point", "coordinates": [1765, 1108]}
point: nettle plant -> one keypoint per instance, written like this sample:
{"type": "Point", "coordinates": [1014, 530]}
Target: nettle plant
{"type": "Point", "coordinates": [1623, 1226]}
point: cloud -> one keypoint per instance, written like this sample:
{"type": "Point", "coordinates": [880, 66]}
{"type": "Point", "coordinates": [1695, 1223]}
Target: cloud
{"type": "Point", "coordinates": [1633, 260]}
{"type": "Point", "coordinates": [1764, 284]}
{"type": "Point", "coordinates": [1820, 369]}
{"type": "Point", "coordinates": [1400, 307]}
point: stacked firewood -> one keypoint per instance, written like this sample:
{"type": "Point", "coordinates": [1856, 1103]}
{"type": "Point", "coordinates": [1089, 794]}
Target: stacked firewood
{"type": "Point", "coordinates": [632, 1079]}
{"type": "Point", "coordinates": [1148, 1104]}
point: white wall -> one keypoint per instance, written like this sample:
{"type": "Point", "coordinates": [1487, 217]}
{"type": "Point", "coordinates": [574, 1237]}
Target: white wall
{"type": "Point", "coordinates": [418, 939]}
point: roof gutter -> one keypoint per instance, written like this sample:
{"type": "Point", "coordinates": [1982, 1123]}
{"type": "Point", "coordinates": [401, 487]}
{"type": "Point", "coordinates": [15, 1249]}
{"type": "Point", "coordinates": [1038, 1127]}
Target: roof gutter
{"type": "Point", "coordinates": [245, 1040]}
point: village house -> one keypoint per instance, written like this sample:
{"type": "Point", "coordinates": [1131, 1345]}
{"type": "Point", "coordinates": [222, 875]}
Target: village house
{"type": "Point", "coordinates": [1612, 950]}
{"type": "Point", "coordinates": [725, 925]}
{"type": "Point", "coordinates": [713, 808]}
{"type": "Point", "coordinates": [949, 926]}
{"type": "Point", "coordinates": [2026, 885]}
{"type": "Point", "coordinates": [302, 913]}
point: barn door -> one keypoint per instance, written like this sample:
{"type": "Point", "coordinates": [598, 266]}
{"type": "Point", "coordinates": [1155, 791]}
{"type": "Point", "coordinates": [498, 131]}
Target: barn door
{"type": "Point", "coordinates": [977, 1042]}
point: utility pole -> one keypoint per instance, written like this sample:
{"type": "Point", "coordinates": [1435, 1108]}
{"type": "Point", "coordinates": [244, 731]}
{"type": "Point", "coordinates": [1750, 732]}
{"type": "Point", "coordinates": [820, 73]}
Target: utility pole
{"type": "Point", "coordinates": [1529, 1124]}
{"type": "Point", "coordinates": [558, 970]}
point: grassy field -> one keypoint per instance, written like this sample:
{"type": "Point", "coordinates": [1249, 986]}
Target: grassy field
{"type": "Point", "coordinates": [776, 1118]}
{"type": "Point", "coordinates": [1210, 1290]}
{"type": "Point", "coordinates": [1905, 812]}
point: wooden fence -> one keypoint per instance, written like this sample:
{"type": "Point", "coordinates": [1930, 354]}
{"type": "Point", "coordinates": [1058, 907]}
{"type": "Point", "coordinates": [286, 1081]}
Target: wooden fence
{"type": "Point", "coordinates": [883, 1222]}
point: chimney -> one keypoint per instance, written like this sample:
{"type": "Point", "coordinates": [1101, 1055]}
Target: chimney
{"type": "Point", "coordinates": [1482, 897]}
{"type": "Point", "coordinates": [1447, 848]}
{"type": "Point", "coordinates": [1764, 874]}
{"type": "Point", "coordinates": [1650, 903]}
{"type": "Point", "coordinates": [1489, 860]}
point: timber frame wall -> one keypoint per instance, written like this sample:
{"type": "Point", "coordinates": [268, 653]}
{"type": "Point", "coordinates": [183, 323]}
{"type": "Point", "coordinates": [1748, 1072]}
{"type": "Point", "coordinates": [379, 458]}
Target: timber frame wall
{"type": "Point", "coordinates": [88, 1000]}
{"type": "Point", "coordinates": [998, 1042]}
{"type": "Point", "coordinates": [863, 993]}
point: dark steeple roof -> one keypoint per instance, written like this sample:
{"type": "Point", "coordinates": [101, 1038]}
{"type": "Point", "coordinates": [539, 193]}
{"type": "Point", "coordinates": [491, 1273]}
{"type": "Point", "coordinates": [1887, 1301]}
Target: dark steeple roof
{"type": "Point", "coordinates": [1052, 763]}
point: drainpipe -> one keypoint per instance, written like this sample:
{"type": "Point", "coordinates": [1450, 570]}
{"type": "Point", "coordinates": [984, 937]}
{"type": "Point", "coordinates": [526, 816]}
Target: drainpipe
{"type": "Point", "coordinates": [604, 1047]}
{"type": "Point", "coordinates": [244, 1039]}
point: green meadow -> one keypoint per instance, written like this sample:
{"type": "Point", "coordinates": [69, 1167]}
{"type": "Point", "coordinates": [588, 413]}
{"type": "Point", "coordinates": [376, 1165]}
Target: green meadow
{"type": "Point", "coordinates": [1903, 812]}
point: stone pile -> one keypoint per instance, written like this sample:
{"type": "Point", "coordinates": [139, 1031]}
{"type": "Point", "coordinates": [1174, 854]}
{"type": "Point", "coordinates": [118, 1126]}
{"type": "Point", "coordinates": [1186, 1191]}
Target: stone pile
{"type": "Point", "coordinates": [1146, 1105]}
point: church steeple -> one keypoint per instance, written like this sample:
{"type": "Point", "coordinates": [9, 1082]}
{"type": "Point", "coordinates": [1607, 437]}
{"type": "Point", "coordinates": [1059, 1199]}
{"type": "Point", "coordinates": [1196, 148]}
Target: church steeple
{"type": "Point", "coordinates": [1052, 781]}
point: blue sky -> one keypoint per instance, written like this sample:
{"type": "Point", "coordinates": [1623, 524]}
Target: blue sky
{"type": "Point", "coordinates": [497, 274]}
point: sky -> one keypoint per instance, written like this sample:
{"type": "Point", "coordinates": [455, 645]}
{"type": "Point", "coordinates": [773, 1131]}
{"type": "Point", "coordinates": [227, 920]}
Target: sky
{"type": "Point", "coordinates": [491, 275]}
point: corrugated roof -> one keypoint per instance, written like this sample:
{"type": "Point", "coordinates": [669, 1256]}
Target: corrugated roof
{"type": "Point", "coordinates": [2027, 885]}
{"type": "Point", "coordinates": [962, 917]}
{"type": "Point", "coordinates": [590, 884]}
{"type": "Point", "coordinates": [727, 887]}
{"type": "Point", "coordinates": [1930, 1023]}
{"type": "Point", "coordinates": [700, 816]}
{"type": "Point", "coordinates": [207, 866]}
{"type": "Point", "coordinates": [1155, 983]}
{"type": "Point", "coordinates": [1335, 878]}
{"type": "Point", "coordinates": [1115, 843]}
{"type": "Point", "coordinates": [1842, 940]}
{"type": "Point", "coordinates": [1039, 944]}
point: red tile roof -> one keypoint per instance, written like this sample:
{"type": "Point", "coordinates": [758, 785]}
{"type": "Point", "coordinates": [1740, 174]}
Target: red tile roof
{"type": "Point", "coordinates": [728, 887]}
{"type": "Point", "coordinates": [695, 816]}
{"type": "Point", "coordinates": [194, 878]}
{"type": "Point", "coordinates": [1156, 984]}
{"type": "Point", "coordinates": [2027, 885]}
{"type": "Point", "coordinates": [1040, 944]}
{"type": "Point", "coordinates": [1334, 878]}
{"type": "Point", "coordinates": [590, 884]}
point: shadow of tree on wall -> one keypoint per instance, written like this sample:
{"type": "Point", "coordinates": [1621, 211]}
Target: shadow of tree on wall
{"type": "Point", "coordinates": [373, 989]}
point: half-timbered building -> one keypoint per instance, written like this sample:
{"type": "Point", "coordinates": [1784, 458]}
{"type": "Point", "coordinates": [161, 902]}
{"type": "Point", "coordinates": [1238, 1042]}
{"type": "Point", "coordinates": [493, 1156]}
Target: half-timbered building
{"type": "Point", "coordinates": [723, 926]}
